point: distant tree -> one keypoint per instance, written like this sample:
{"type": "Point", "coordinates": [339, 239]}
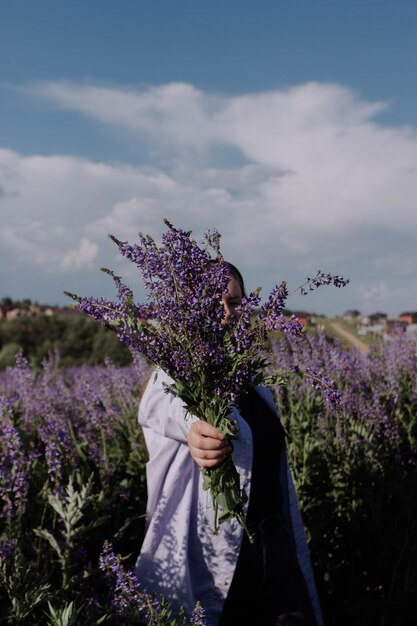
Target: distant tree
{"type": "Point", "coordinates": [26, 303]}
{"type": "Point", "coordinates": [77, 338]}
{"type": "Point", "coordinates": [105, 343]}
{"type": "Point", "coordinates": [6, 304]}
{"type": "Point", "coordinates": [8, 354]}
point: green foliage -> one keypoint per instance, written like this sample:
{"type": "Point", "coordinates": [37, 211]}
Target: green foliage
{"type": "Point", "coordinates": [24, 589]}
{"type": "Point", "coordinates": [355, 480]}
{"type": "Point", "coordinates": [77, 338]}
{"type": "Point", "coordinates": [68, 615]}
{"type": "Point", "coordinates": [8, 354]}
{"type": "Point", "coordinates": [52, 575]}
{"type": "Point", "coordinates": [73, 509]}
{"type": "Point", "coordinates": [359, 504]}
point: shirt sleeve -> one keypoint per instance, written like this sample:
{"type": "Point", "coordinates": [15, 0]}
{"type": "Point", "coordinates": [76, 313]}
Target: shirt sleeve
{"type": "Point", "coordinates": [162, 412]}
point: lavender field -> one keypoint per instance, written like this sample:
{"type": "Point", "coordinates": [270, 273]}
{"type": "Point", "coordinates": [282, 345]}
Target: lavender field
{"type": "Point", "coordinates": [73, 489]}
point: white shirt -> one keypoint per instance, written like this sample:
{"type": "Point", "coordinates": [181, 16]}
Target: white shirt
{"type": "Point", "coordinates": [180, 556]}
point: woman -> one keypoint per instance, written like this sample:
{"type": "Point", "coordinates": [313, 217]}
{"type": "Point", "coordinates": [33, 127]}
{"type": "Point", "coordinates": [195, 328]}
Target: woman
{"type": "Point", "coordinates": [269, 582]}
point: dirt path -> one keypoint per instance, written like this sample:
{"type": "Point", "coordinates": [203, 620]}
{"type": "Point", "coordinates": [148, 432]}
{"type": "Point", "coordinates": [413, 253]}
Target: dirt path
{"type": "Point", "coordinates": [360, 345]}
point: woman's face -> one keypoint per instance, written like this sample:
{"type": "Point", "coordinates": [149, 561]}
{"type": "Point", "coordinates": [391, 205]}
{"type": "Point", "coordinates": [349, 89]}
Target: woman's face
{"type": "Point", "coordinates": [231, 298]}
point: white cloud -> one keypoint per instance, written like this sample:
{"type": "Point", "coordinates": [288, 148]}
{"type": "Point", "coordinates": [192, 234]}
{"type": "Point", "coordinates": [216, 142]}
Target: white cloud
{"type": "Point", "coordinates": [80, 257]}
{"type": "Point", "coordinates": [308, 178]}
{"type": "Point", "coordinates": [374, 294]}
{"type": "Point", "coordinates": [338, 167]}
{"type": "Point", "coordinates": [177, 112]}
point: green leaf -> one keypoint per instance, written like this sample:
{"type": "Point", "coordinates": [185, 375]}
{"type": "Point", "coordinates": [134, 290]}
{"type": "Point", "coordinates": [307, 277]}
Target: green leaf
{"type": "Point", "coordinates": [45, 534]}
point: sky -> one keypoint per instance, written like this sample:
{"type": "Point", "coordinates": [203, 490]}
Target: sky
{"type": "Point", "coordinates": [290, 126]}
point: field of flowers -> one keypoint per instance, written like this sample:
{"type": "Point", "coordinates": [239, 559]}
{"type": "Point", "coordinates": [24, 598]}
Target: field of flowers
{"type": "Point", "coordinates": [73, 489]}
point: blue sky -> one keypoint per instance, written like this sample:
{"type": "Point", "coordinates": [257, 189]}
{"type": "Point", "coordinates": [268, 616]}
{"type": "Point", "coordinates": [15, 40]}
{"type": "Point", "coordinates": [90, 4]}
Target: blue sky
{"type": "Point", "coordinates": [289, 126]}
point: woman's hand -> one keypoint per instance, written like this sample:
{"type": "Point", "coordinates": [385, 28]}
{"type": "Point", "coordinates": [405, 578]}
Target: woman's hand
{"type": "Point", "coordinates": [208, 446]}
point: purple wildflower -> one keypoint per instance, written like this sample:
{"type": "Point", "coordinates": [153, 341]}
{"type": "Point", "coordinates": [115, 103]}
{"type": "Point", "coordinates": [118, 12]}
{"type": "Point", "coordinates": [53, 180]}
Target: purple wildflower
{"type": "Point", "coordinates": [321, 278]}
{"type": "Point", "coordinates": [318, 381]}
{"type": "Point", "coordinates": [127, 594]}
{"type": "Point", "coordinates": [373, 392]}
{"type": "Point", "coordinates": [6, 549]}
{"type": "Point", "coordinates": [272, 310]}
{"type": "Point", "coordinates": [198, 616]}
{"type": "Point", "coordinates": [272, 316]}
{"type": "Point", "coordinates": [14, 465]}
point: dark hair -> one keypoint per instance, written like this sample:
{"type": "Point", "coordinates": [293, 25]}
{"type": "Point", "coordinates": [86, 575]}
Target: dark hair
{"type": "Point", "coordinates": [236, 274]}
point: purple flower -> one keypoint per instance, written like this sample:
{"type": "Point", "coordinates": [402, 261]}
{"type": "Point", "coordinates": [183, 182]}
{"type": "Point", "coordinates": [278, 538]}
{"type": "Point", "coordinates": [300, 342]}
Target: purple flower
{"type": "Point", "coordinates": [322, 278]}
{"type": "Point", "coordinates": [272, 310]}
{"type": "Point", "coordinates": [198, 616]}
{"type": "Point", "coordinates": [128, 597]}
{"type": "Point", "coordinates": [6, 549]}
{"type": "Point", "coordinates": [318, 381]}
{"type": "Point", "coordinates": [14, 465]}
{"type": "Point", "coordinates": [374, 393]}
{"type": "Point", "coordinates": [127, 594]}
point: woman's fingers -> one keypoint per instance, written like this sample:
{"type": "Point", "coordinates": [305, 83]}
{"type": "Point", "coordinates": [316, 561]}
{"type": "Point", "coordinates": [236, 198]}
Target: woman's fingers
{"type": "Point", "coordinates": [200, 427]}
{"type": "Point", "coordinates": [206, 437]}
{"type": "Point", "coordinates": [208, 454]}
{"type": "Point", "coordinates": [207, 464]}
{"type": "Point", "coordinates": [207, 445]}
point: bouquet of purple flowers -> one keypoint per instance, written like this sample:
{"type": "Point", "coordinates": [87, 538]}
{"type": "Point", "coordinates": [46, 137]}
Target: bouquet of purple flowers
{"type": "Point", "coordinates": [181, 329]}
